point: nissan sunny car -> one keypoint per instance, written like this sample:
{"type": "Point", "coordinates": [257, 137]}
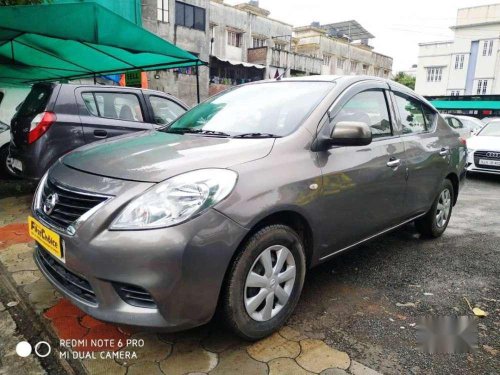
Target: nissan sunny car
{"type": "Point", "coordinates": [230, 205]}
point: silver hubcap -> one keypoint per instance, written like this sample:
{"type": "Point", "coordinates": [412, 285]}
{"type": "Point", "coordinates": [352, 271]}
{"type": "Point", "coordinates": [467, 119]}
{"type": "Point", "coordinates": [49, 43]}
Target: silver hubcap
{"type": "Point", "coordinates": [269, 283]}
{"type": "Point", "coordinates": [443, 208]}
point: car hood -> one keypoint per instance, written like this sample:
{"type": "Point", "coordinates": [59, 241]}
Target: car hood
{"type": "Point", "coordinates": [156, 156]}
{"type": "Point", "coordinates": [484, 143]}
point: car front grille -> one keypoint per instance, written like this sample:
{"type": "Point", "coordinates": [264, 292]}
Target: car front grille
{"type": "Point", "coordinates": [135, 295]}
{"type": "Point", "coordinates": [486, 155]}
{"type": "Point", "coordinates": [66, 279]}
{"type": "Point", "coordinates": [70, 204]}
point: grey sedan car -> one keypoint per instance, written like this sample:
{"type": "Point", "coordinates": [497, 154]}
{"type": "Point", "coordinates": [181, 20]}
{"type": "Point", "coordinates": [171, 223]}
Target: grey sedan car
{"type": "Point", "coordinates": [233, 202]}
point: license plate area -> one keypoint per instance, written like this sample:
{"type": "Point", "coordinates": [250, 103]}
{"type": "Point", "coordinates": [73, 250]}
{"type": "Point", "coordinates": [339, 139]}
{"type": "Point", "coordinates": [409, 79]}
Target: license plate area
{"type": "Point", "coordinates": [48, 240]}
{"type": "Point", "coordinates": [495, 163]}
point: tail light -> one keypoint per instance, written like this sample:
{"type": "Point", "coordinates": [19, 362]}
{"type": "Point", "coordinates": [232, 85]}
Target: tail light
{"type": "Point", "coordinates": [40, 124]}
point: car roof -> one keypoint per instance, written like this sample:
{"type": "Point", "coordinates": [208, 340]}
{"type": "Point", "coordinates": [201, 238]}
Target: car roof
{"type": "Point", "coordinates": [105, 87]}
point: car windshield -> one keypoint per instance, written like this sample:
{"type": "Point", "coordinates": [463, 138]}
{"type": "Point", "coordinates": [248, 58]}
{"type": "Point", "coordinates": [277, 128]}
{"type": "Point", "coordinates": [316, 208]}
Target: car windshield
{"type": "Point", "coordinates": [491, 130]}
{"type": "Point", "coordinates": [271, 109]}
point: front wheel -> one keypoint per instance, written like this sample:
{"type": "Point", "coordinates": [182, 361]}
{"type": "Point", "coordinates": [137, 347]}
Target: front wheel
{"type": "Point", "coordinates": [434, 223]}
{"type": "Point", "coordinates": [265, 282]}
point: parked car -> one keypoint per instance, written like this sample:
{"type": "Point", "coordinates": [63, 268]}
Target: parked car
{"type": "Point", "coordinates": [472, 123]}
{"type": "Point", "coordinates": [484, 150]}
{"type": "Point", "coordinates": [234, 201]}
{"type": "Point", "coordinates": [486, 120]}
{"type": "Point", "coordinates": [4, 148]}
{"type": "Point", "coordinates": [57, 118]}
{"type": "Point", "coordinates": [458, 125]}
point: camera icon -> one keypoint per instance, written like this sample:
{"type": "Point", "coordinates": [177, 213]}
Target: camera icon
{"type": "Point", "coordinates": [42, 349]}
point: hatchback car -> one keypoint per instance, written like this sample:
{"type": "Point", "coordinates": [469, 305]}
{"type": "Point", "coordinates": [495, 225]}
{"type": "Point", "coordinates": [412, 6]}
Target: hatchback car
{"type": "Point", "coordinates": [233, 202]}
{"type": "Point", "coordinates": [457, 124]}
{"type": "Point", "coordinates": [484, 150]}
{"type": "Point", "coordinates": [57, 118]}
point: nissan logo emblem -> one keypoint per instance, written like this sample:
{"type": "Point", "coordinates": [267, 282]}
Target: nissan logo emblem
{"type": "Point", "coordinates": [493, 154]}
{"type": "Point", "coordinates": [50, 203]}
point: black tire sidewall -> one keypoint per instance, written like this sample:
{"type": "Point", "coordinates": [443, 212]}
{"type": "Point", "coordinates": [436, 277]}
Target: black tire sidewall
{"type": "Point", "coordinates": [236, 313]}
{"type": "Point", "coordinates": [436, 231]}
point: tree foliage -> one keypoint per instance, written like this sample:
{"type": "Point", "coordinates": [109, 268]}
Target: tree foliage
{"type": "Point", "coordinates": [405, 79]}
{"type": "Point", "coordinates": [20, 2]}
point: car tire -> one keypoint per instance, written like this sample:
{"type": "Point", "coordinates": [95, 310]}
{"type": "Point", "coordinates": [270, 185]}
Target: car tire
{"type": "Point", "coordinates": [240, 311]}
{"type": "Point", "coordinates": [432, 224]}
{"type": "Point", "coordinates": [4, 154]}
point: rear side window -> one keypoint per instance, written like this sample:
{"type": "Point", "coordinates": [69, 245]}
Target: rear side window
{"type": "Point", "coordinates": [369, 107]}
{"type": "Point", "coordinates": [165, 111]}
{"type": "Point", "coordinates": [36, 101]}
{"type": "Point", "coordinates": [411, 113]}
{"type": "Point", "coordinates": [119, 106]}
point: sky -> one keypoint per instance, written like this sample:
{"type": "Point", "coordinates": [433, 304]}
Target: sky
{"type": "Point", "coordinates": [398, 25]}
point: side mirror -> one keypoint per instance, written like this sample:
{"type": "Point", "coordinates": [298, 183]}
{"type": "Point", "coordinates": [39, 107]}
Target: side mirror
{"type": "Point", "coordinates": [351, 133]}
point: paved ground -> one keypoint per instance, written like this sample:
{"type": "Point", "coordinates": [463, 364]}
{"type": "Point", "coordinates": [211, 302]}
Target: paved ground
{"type": "Point", "coordinates": [356, 315]}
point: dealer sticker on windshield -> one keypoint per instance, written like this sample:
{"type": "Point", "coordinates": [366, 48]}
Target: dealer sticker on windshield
{"type": "Point", "coordinates": [47, 238]}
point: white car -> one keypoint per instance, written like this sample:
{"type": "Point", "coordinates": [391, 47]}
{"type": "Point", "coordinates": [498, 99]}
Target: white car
{"type": "Point", "coordinates": [484, 149]}
{"type": "Point", "coordinates": [474, 124]}
{"type": "Point", "coordinates": [4, 148]}
{"type": "Point", "coordinates": [458, 126]}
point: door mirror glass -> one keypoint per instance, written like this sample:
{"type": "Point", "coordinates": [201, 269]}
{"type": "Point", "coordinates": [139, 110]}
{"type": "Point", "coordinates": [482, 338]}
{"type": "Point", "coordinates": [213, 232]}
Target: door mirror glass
{"type": "Point", "coordinates": [351, 133]}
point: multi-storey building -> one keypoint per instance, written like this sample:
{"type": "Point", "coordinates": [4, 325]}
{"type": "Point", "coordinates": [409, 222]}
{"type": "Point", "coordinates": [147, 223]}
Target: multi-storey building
{"type": "Point", "coordinates": [467, 65]}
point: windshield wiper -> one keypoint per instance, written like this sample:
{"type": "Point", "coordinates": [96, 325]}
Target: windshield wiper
{"type": "Point", "coordinates": [257, 135]}
{"type": "Point", "coordinates": [198, 131]}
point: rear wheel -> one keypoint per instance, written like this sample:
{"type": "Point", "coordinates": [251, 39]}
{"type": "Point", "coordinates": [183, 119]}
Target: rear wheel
{"type": "Point", "coordinates": [435, 222]}
{"type": "Point", "coordinates": [4, 153]}
{"type": "Point", "coordinates": [265, 282]}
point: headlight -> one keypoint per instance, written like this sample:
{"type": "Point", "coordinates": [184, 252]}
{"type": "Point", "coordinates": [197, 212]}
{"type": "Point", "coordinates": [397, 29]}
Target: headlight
{"type": "Point", "coordinates": [176, 200]}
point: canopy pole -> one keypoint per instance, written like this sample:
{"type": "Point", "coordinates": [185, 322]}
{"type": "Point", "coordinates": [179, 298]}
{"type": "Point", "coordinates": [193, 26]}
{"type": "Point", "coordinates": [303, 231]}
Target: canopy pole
{"type": "Point", "coordinates": [197, 84]}
{"type": "Point", "coordinates": [95, 80]}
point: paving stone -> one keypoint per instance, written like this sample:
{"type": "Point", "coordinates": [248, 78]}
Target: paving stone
{"type": "Point", "coordinates": [195, 334]}
{"type": "Point", "coordinates": [2, 307]}
{"type": "Point", "coordinates": [291, 334]}
{"type": "Point", "coordinates": [64, 308]}
{"type": "Point", "coordinates": [221, 340]}
{"type": "Point", "coordinates": [103, 367]}
{"type": "Point", "coordinates": [149, 368]}
{"type": "Point", "coordinates": [334, 371]}
{"type": "Point", "coordinates": [316, 356]}
{"type": "Point", "coordinates": [238, 362]}
{"type": "Point", "coordinates": [27, 264]}
{"type": "Point", "coordinates": [16, 252]}
{"type": "Point", "coordinates": [360, 369]}
{"type": "Point", "coordinates": [26, 277]}
{"type": "Point", "coordinates": [153, 350]}
{"type": "Point", "coordinates": [7, 324]}
{"type": "Point", "coordinates": [13, 233]}
{"type": "Point", "coordinates": [274, 346]}
{"type": "Point", "coordinates": [188, 356]}
{"type": "Point", "coordinates": [42, 295]}
{"type": "Point", "coordinates": [287, 366]}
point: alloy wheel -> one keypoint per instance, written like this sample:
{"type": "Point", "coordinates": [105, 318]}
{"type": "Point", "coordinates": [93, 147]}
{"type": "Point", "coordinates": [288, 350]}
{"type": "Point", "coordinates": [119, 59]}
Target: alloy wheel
{"type": "Point", "coordinates": [443, 208]}
{"type": "Point", "coordinates": [269, 283]}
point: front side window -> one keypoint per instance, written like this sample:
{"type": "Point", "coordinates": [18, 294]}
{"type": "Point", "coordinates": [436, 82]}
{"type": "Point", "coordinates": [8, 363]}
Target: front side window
{"type": "Point", "coordinates": [189, 16]}
{"type": "Point", "coordinates": [276, 108]}
{"type": "Point", "coordinates": [412, 117]}
{"type": "Point", "coordinates": [119, 106]}
{"type": "Point", "coordinates": [162, 10]}
{"type": "Point", "coordinates": [369, 107]}
{"type": "Point", "coordinates": [165, 111]}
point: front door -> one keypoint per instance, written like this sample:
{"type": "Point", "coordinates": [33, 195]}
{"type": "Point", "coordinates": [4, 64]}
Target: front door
{"type": "Point", "coordinates": [363, 186]}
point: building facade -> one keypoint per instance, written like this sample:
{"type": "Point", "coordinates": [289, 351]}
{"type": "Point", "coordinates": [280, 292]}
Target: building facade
{"type": "Point", "coordinates": [467, 65]}
{"type": "Point", "coordinates": [242, 43]}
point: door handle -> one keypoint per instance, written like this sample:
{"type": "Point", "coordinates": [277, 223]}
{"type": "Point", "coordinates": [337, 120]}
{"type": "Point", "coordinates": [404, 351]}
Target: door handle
{"type": "Point", "coordinates": [443, 152]}
{"type": "Point", "coordinates": [100, 133]}
{"type": "Point", "coordinates": [393, 163]}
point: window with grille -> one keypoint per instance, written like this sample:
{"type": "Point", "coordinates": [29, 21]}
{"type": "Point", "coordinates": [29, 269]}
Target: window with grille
{"type": "Point", "coordinates": [234, 38]}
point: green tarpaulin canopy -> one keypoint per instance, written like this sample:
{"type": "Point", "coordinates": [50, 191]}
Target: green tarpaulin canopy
{"type": "Point", "coordinates": [68, 41]}
{"type": "Point", "coordinates": [466, 104]}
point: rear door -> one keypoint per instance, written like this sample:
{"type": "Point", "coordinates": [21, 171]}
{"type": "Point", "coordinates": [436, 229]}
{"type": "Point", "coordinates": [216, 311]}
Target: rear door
{"type": "Point", "coordinates": [363, 186]}
{"type": "Point", "coordinates": [107, 113]}
{"type": "Point", "coordinates": [426, 155]}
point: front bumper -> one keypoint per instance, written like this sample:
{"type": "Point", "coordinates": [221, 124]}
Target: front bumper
{"type": "Point", "coordinates": [474, 169]}
{"type": "Point", "coordinates": [182, 268]}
